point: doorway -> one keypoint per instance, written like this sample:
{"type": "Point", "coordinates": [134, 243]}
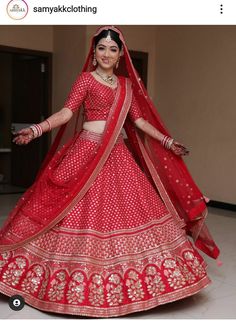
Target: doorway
{"type": "Point", "coordinates": [140, 62]}
{"type": "Point", "coordinates": [25, 98]}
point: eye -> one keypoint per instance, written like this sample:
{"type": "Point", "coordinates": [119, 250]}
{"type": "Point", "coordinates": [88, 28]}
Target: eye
{"type": "Point", "coordinates": [100, 48]}
{"type": "Point", "coordinates": [114, 50]}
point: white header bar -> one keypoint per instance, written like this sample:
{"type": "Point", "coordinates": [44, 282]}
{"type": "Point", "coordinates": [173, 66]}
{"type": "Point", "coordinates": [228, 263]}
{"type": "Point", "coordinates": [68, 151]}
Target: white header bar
{"type": "Point", "coordinates": [127, 12]}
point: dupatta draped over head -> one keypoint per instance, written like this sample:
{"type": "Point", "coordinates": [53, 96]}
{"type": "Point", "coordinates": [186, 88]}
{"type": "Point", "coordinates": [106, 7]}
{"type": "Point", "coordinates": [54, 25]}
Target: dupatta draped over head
{"type": "Point", "coordinates": [166, 171]}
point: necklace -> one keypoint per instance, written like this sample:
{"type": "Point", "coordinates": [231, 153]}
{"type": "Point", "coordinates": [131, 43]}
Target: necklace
{"type": "Point", "coordinates": [109, 79]}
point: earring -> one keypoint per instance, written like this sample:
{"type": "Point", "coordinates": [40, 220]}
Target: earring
{"type": "Point", "coordinates": [117, 63]}
{"type": "Point", "coordinates": [94, 60]}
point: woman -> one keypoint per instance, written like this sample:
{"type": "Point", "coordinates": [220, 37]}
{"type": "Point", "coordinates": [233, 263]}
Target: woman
{"type": "Point", "coordinates": [98, 234]}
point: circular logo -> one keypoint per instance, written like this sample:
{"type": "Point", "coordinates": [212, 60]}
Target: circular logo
{"type": "Point", "coordinates": [17, 9]}
{"type": "Point", "coordinates": [16, 302]}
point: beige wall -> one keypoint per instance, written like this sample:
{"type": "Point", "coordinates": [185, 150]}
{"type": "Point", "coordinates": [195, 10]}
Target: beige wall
{"type": "Point", "coordinates": [68, 58]}
{"type": "Point", "coordinates": [191, 78]}
{"type": "Point", "coordinates": [195, 84]}
{"type": "Point", "coordinates": [30, 37]}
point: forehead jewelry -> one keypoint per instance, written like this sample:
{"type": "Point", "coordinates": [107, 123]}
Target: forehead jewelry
{"type": "Point", "coordinates": [108, 37]}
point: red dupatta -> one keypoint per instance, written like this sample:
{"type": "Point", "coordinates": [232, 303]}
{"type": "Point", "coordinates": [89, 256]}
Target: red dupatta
{"type": "Point", "coordinates": [166, 170]}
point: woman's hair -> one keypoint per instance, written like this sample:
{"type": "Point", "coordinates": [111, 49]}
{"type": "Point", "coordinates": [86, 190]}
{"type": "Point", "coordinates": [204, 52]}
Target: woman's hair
{"type": "Point", "coordinates": [114, 36]}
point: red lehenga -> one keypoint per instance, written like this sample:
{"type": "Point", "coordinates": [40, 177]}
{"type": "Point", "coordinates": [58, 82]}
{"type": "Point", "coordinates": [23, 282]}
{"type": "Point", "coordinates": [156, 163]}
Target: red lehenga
{"type": "Point", "coordinates": [98, 234]}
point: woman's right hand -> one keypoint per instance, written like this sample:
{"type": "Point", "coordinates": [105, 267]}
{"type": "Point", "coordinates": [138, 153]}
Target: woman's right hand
{"type": "Point", "coordinates": [23, 136]}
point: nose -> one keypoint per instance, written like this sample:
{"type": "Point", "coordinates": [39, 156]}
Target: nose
{"type": "Point", "coordinates": [106, 53]}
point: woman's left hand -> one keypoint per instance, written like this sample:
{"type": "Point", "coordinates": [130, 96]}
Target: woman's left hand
{"type": "Point", "coordinates": [179, 149]}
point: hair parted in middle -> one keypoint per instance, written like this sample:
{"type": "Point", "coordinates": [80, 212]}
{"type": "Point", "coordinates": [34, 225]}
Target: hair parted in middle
{"type": "Point", "coordinates": [108, 33]}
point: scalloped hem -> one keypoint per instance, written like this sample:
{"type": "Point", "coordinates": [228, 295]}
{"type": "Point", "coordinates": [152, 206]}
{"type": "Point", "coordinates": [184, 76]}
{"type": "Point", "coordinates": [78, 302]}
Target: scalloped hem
{"type": "Point", "coordinates": [108, 312]}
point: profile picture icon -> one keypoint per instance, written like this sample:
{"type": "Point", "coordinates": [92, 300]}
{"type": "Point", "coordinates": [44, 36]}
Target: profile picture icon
{"type": "Point", "coordinates": [16, 302]}
{"type": "Point", "coordinates": [17, 9]}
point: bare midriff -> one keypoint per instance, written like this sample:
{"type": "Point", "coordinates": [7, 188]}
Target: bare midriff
{"type": "Point", "coordinates": [96, 126]}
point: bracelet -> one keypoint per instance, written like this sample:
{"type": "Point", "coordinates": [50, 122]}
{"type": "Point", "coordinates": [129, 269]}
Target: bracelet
{"type": "Point", "coordinates": [37, 130]}
{"type": "Point", "coordinates": [49, 125]}
{"type": "Point", "coordinates": [167, 142]}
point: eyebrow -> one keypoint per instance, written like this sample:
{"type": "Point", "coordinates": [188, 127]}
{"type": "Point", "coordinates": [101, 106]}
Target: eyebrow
{"type": "Point", "coordinates": [114, 46]}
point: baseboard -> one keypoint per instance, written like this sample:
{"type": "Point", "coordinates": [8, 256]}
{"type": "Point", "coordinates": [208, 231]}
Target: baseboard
{"type": "Point", "coordinates": [222, 205]}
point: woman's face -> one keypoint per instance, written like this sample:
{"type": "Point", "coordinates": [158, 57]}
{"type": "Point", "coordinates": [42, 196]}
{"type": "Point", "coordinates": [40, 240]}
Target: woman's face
{"type": "Point", "coordinates": [107, 53]}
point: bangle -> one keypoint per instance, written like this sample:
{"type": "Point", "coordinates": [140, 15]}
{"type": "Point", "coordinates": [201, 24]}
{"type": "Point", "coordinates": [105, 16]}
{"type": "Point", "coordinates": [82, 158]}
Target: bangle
{"type": "Point", "coordinates": [167, 142]}
{"type": "Point", "coordinates": [34, 130]}
{"type": "Point", "coordinates": [49, 125]}
{"type": "Point", "coordinates": [37, 130]}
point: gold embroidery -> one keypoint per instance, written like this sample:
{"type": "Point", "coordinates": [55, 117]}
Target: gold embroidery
{"type": "Point", "coordinates": [175, 278]}
{"type": "Point", "coordinates": [56, 291]}
{"type": "Point", "coordinates": [4, 258]}
{"type": "Point", "coordinates": [96, 287]}
{"type": "Point", "coordinates": [83, 246]}
{"type": "Point", "coordinates": [193, 262]}
{"type": "Point", "coordinates": [169, 263]}
{"type": "Point", "coordinates": [114, 290]}
{"type": "Point", "coordinates": [134, 284]}
{"type": "Point", "coordinates": [173, 273]}
{"type": "Point", "coordinates": [188, 275]}
{"type": "Point", "coordinates": [154, 281]}
{"type": "Point", "coordinates": [75, 293]}
{"type": "Point", "coordinates": [33, 279]}
{"type": "Point", "coordinates": [14, 271]}
{"type": "Point", "coordinates": [42, 291]}
{"type": "Point", "coordinates": [185, 270]}
{"type": "Point", "coordinates": [197, 268]}
{"type": "Point", "coordinates": [188, 255]}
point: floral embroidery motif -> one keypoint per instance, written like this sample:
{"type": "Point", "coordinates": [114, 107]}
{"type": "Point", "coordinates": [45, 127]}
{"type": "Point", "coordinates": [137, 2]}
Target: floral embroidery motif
{"type": "Point", "coordinates": [185, 270]}
{"type": "Point", "coordinates": [75, 293]}
{"type": "Point", "coordinates": [175, 278]}
{"type": "Point", "coordinates": [33, 279]}
{"type": "Point", "coordinates": [96, 294]}
{"type": "Point", "coordinates": [154, 281]}
{"type": "Point", "coordinates": [43, 289]}
{"type": "Point", "coordinates": [195, 265]}
{"type": "Point", "coordinates": [173, 273]}
{"type": "Point", "coordinates": [56, 291]}
{"type": "Point", "coordinates": [114, 290]}
{"type": "Point", "coordinates": [169, 263]}
{"type": "Point", "coordinates": [152, 277]}
{"type": "Point", "coordinates": [14, 271]}
{"type": "Point", "coordinates": [134, 284]}
{"type": "Point", "coordinates": [188, 275]}
{"type": "Point", "coordinates": [4, 258]}
{"type": "Point", "coordinates": [188, 255]}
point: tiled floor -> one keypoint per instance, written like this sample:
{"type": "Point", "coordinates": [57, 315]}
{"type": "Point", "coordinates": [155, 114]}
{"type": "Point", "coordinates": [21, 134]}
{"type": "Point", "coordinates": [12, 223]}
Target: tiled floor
{"type": "Point", "coordinates": [218, 301]}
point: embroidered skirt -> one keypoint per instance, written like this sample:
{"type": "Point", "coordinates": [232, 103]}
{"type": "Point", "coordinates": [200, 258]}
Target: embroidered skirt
{"type": "Point", "coordinates": [117, 251]}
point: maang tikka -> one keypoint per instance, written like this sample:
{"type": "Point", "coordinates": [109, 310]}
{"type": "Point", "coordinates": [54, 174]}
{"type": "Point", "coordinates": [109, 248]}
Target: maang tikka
{"type": "Point", "coordinates": [108, 37]}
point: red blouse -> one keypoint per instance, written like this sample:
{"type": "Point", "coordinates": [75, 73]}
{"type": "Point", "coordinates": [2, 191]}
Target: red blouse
{"type": "Point", "coordinates": [97, 98]}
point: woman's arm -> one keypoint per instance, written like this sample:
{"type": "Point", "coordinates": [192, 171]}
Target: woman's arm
{"type": "Point", "coordinates": [26, 135]}
{"type": "Point", "coordinates": [149, 129]}
{"type": "Point", "coordinates": [57, 119]}
{"type": "Point", "coordinates": [146, 127]}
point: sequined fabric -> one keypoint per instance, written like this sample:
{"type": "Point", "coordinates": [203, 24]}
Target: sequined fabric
{"type": "Point", "coordinates": [117, 251]}
{"type": "Point", "coordinates": [97, 98]}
